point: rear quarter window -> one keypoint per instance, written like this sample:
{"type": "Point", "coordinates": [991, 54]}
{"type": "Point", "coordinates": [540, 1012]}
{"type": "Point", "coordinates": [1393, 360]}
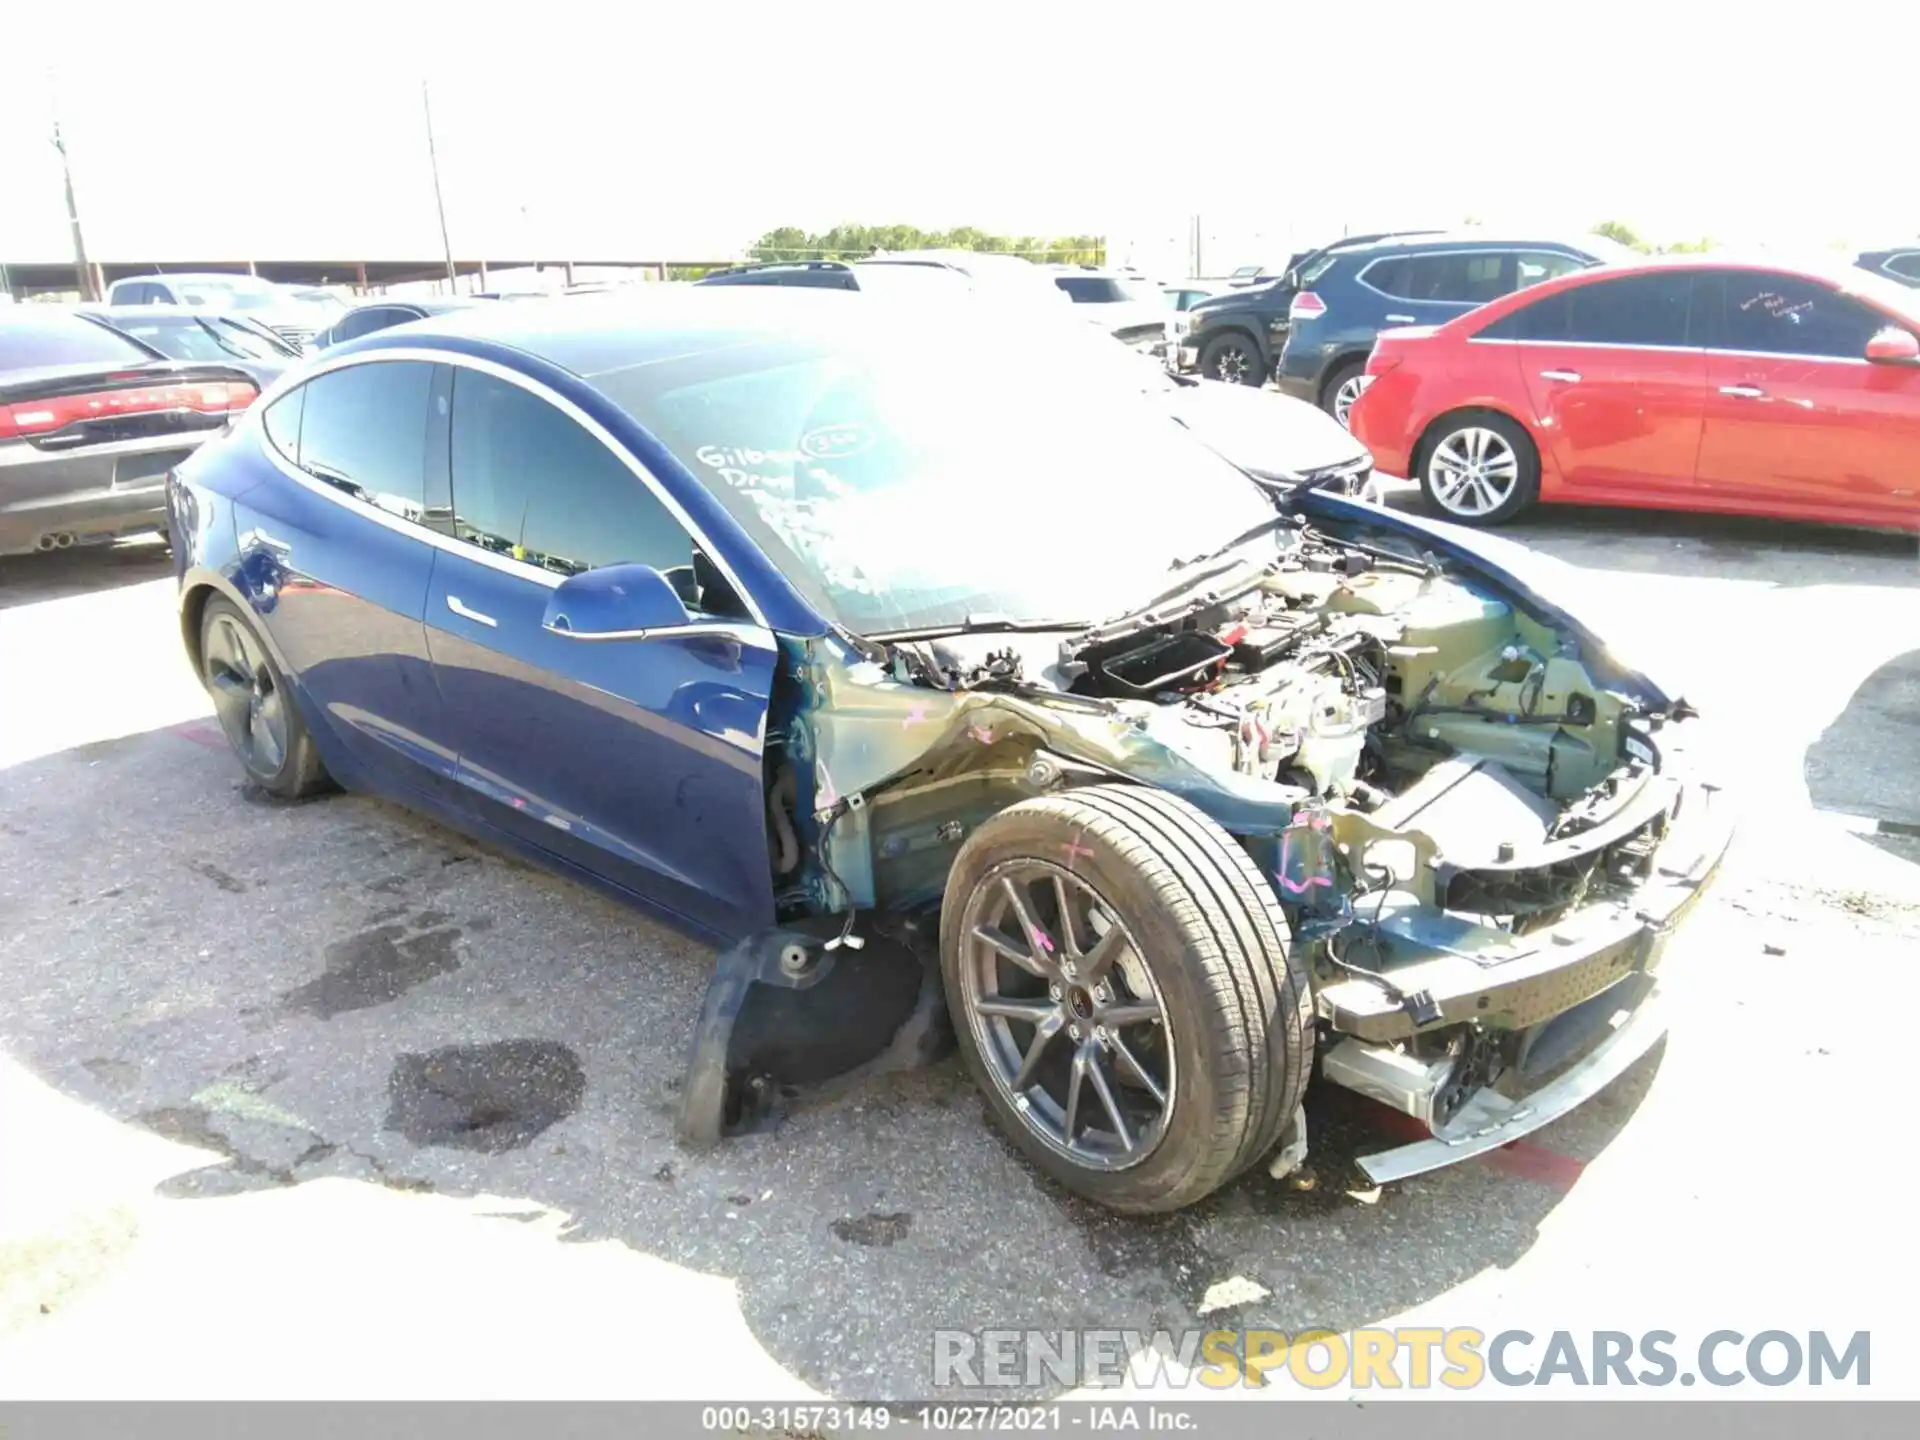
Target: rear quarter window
{"type": "Point", "coordinates": [28, 342]}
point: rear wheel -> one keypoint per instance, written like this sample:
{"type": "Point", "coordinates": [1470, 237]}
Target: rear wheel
{"type": "Point", "coordinates": [1478, 468]}
{"type": "Point", "coordinates": [1234, 358]}
{"type": "Point", "coordinates": [255, 710]}
{"type": "Point", "coordinates": [1342, 389]}
{"type": "Point", "coordinates": [1124, 996]}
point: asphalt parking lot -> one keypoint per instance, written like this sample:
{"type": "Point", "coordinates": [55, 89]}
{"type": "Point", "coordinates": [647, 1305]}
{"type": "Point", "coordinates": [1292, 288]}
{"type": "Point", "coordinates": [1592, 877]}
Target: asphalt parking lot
{"type": "Point", "coordinates": [324, 1100]}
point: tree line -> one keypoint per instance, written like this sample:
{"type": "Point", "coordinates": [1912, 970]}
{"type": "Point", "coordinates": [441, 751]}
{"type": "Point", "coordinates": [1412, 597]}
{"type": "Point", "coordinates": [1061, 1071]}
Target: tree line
{"type": "Point", "coordinates": [1623, 234]}
{"type": "Point", "coordinates": [852, 242]}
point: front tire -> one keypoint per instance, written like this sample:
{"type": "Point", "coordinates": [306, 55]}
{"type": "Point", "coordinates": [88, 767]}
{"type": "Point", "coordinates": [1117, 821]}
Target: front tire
{"type": "Point", "coordinates": [255, 708]}
{"type": "Point", "coordinates": [1234, 358]}
{"type": "Point", "coordinates": [1478, 468]}
{"type": "Point", "coordinates": [1124, 995]}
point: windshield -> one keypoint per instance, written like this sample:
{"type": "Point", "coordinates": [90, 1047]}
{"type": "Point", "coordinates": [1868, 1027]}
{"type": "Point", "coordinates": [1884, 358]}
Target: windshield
{"type": "Point", "coordinates": [905, 497]}
{"type": "Point", "coordinates": [1101, 289]}
{"type": "Point", "coordinates": [1886, 294]}
{"type": "Point", "coordinates": [178, 337]}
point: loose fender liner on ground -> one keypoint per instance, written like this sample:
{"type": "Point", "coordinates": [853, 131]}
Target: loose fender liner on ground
{"type": "Point", "coordinates": [784, 1013]}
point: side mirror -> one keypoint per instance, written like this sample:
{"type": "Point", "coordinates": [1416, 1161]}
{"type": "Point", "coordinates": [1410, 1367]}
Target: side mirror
{"type": "Point", "coordinates": [621, 602]}
{"type": "Point", "coordinates": [1894, 346]}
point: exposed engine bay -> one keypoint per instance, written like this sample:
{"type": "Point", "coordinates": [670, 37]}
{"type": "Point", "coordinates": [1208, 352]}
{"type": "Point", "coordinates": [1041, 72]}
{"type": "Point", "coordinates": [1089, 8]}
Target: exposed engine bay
{"type": "Point", "coordinates": [1335, 677]}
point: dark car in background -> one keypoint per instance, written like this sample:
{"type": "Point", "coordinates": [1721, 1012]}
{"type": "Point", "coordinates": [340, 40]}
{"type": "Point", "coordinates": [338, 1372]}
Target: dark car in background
{"type": "Point", "coordinates": [383, 315]}
{"type": "Point", "coordinates": [179, 333]}
{"type": "Point", "coordinates": [91, 422]}
{"type": "Point", "coordinates": [1236, 336]}
{"type": "Point", "coordinates": [1347, 295]}
{"type": "Point", "coordinates": [1901, 264]}
{"type": "Point", "coordinates": [835, 275]}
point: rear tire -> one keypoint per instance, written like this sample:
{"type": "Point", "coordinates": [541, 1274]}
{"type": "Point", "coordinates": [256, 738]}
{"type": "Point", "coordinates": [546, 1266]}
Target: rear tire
{"type": "Point", "coordinates": [1342, 389]}
{"type": "Point", "coordinates": [1221, 1023]}
{"type": "Point", "coordinates": [1478, 468]}
{"type": "Point", "coordinates": [1234, 358]}
{"type": "Point", "coordinates": [255, 708]}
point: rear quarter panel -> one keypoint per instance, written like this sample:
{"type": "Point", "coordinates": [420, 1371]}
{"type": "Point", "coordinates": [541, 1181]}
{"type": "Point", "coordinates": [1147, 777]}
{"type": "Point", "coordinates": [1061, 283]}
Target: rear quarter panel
{"type": "Point", "coordinates": [1435, 378]}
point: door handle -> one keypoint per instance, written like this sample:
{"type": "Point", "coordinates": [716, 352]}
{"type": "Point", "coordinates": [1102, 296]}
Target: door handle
{"type": "Point", "coordinates": [1566, 377]}
{"type": "Point", "coordinates": [1400, 319]}
{"type": "Point", "coordinates": [1743, 392]}
{"type": "Point", "coordinates": [460, 608]}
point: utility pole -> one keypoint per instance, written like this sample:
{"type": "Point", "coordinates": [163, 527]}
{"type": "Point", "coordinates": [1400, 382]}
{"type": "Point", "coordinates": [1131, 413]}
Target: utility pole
{"type": "Point", "coordinates": [83, 272]}
{"type": "Point", "coordinates": [440, 205]}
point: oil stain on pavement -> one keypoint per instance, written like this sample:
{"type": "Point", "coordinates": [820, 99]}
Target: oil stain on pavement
{"type": "Point", "coordinates": [875, 1229]}
{"type": "Point", "coordinates": [374, 967]}
{"type": "Point", "coordinates": [490, 1098]}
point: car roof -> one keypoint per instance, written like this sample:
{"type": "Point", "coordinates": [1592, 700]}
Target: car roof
{"type": "Point", "coordinates": [434, 305]}
{"type": "Point", "coordinates": [620, 332]}
{"type": "Point", "coordinates": [1463, 240]}
{"type": "Point", "coordinates": [200, 277]}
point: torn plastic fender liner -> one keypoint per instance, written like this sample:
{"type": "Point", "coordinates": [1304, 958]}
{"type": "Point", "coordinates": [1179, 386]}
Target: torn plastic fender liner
{"type": "Point", "coordinates": [783, 1014]}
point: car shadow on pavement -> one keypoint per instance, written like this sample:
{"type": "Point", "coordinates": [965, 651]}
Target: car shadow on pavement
{"type": "Point", "coordinates": [1782, 553]}
{"type": "Point", "coordinates": [80, 570]}
{"type": "Point", "coordinates": [341, 989]}
{"type": "Point", "coordinates": [1845, 768]}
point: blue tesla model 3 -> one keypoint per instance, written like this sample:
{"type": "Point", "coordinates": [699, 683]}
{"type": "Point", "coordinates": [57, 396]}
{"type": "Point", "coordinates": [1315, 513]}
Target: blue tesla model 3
{"type": "Point", "coordinates": [962, 701]}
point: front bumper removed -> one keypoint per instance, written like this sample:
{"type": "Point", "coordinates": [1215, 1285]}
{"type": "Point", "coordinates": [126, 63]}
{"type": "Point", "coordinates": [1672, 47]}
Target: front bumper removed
{"type": "Point", "coordinates": [1488, 1119]}
{"type": "Point", "coordinates": [1592, 979]}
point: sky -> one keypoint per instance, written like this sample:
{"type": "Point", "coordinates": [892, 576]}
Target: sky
{"type": "Point", "coordinates": [683, 133]}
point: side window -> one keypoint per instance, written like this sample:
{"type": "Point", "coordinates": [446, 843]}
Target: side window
{"type": "Point", "coordinates": [1638, 310]}
{"type": "Point", "coordinates": [1389, 277]}
{"type": "Point", "coordinates": [1906, 265]}
{"type": "Point", "coordinates": [530, 482]}
{"type": "Point", "coordinates": [128, 293]}
{"type": "Point", "coordinates": [1785, 315]}
{"type": "Point", "coordinates": [281, 420]}
{"type": "Point", "coordinates": [365, 429]}
{"type": "Point", "coordinates": [1455, 279]}
{"type": "Point", "coordinates": [1533, 266]}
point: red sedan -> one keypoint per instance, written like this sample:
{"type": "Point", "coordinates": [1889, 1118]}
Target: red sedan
{"type": "Point", "coordinates": [1696, 384]}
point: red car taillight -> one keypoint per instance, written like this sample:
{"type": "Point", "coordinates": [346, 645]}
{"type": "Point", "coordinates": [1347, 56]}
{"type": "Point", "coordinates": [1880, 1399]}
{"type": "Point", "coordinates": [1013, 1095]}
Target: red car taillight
{"type": "Point", "coordinates": [43, 417]}
{"type": "Point", "coordinates": [1306, 305]}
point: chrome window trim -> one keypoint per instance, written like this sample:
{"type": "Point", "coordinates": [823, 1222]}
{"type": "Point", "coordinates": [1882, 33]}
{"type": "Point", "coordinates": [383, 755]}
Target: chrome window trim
{"type": "Point", "coordinates": [296, 379]}
{"type": "Point", "coordinates": [1413, 254]}
{"type": "Point", "coordinates": [1672, 349]}
{"type": "Point", "coordinates": [757, 636]}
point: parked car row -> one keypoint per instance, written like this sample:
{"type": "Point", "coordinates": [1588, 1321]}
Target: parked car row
{"type": "Point", "coordinates": [1345, 293]}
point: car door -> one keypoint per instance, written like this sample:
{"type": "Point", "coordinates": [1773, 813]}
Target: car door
{"type": "Point", "coordinates": [336, 560]}
{"type": "Point", "coordinates": [1798, 421]}
{"type": "Point", "coordinates": [1617, 380]}
{"type": "Point", "coordinates": [637, 759]}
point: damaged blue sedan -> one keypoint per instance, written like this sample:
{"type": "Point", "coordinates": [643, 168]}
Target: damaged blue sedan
{"type": "Point", "coordinates": [961, 701]}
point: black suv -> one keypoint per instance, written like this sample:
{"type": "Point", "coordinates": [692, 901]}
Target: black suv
{"type": "Point", "coordinates": [1236, 336]}
{"type": "Point", "coordinates": [1344, 298]}
{"type": "Point", "coordinates": [1902, 265]}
